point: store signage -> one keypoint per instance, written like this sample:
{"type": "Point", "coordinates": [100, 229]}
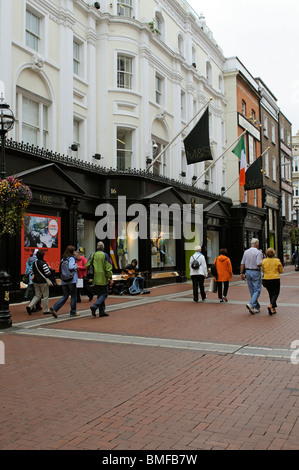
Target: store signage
{"type": "Point", "coordinates": [41, 232]}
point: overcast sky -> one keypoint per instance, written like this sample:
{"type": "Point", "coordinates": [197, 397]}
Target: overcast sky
{"type": "Point", "coordinates": [264, 35]}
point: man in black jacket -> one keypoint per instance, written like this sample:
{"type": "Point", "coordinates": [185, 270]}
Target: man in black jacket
{"type": "Point", "coordinates": [40, 271]}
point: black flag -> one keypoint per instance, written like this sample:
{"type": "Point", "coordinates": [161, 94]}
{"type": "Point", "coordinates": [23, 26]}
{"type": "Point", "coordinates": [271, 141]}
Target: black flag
{"type": "Point", "coordinates": [254, 175]}
{"type": "Point", "coordinates": [197, 143]}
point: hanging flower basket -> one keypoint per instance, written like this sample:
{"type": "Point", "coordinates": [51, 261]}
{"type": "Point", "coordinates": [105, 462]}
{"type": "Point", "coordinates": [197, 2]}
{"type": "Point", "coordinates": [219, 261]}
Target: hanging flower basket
{"type": "Point", "coordinates": [14, 200]}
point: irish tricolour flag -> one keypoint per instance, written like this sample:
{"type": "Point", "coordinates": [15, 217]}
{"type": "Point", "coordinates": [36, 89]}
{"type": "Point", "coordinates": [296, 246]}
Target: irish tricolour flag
{"type": "Point", "coordinates": [240, 151]}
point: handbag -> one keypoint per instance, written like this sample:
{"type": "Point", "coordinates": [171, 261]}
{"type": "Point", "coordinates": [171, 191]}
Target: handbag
{"type": "Point", "coordinates": [26, 279]}
{"type": "Point", "coordinates": [214, 270]}
{"type": "Point", "coordinates": [48, 280]}
{"type": "Point", "coordinates": [90, 270]}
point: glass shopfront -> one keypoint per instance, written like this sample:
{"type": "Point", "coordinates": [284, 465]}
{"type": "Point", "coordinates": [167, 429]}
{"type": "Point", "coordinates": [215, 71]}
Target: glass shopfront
{"type": "Point", "coordinates": [86, 236]}
{"type": "Point", "coordinates": [212, 246]}
{"type": "Point", "coordinates": [163, 253]}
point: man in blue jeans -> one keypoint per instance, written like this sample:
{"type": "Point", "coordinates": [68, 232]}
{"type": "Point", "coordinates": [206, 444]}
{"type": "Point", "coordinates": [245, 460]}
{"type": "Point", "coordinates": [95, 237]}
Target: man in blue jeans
{"type": "Point", "coordinates": [69, 287]}
{"type": "Point", "coordinates": [251, 264]}
{"type": "Point", "coordinates": [101, 278]}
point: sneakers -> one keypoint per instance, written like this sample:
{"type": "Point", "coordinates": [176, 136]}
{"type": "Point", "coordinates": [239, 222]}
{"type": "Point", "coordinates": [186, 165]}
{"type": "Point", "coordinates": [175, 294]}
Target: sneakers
{"type": "Point", "coordinates": [225, 298]}
{"type": "Point", "coordinates": [77, 314]}
{"type": "Point", "coordinates": [52, 311]}
{"type": "Point", "coordinates": [221, 300]}
{"type": "Point", "coordinates": [93, 311]}
{"type": "Point", "coordinates": [103, 314]}
{"type": "Point", "coordinates": [254, 310]}
{"type": "Point", "coordinates": [28, 310]}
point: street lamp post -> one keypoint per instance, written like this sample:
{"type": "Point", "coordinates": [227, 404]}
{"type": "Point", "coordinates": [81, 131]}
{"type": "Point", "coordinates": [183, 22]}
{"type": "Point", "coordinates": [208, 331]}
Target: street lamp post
{"type": "Point", "coordinates": [6, 124]}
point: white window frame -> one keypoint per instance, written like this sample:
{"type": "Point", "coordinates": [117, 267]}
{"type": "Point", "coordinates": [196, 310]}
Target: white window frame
{"type": "Point", "coordinates": [274, 173]}
{"type": "Point", "coordinates": [42, 36]}
{"type": "Point", "coordinates": [265, 125]}
{"type": "Point", "coordinates": [41, 128]}
{"type": "Point", "coordinates": [31, 34]}
{"type": "Point", "coordinates": [160, 89]}
{"type": "Point", "coordinates": [77, 60]}
{"type": "Point", "coordinates": [209, 73]}
{"type": "Point", "coordinates": [273, 133]}
{"type": "Point", "coordinates": [120, 143]}
{"type": "Point", "coordinates": [183, 105]}
{"type": "Point", "coordinates": [125, 8]}
{"type": "Point", "coordinates": [159, 167]}
{"type": "Point", "coordinates": [128, 75]}
{"type": "Point", "coordinates": [181, 44]}
{"type": "Point", "coordinates": [266, 160]}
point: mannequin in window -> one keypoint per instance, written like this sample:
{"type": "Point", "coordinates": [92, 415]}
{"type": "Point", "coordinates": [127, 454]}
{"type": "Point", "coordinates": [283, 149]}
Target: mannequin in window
{"type": "Point", "coordinates": [161, 243]}
{"type": "Point", "coordinates": [154, 242]}
{"type": "Point", "coordinates": [122, 249]}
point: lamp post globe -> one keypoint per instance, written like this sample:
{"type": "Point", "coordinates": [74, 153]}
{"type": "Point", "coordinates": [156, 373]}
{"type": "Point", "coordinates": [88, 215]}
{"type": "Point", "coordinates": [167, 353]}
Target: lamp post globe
{"type": "Point", "coordinates": [6, 124]}
{"type": "Point", "coordinates": [7, 121]}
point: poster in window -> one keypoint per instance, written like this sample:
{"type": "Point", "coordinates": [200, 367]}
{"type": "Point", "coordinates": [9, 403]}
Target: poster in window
{"type": "Point", "coordinates": [41, 232]}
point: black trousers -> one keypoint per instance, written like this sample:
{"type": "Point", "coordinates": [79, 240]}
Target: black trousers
{"type": "Point", "coordinates": [273, 288]}
{"type": "Point", "coordinates": [198, 282]}
{"type": "Point", "coordinates": [225, 288]}
{"type": "Point", "coordinates": [85, 290]}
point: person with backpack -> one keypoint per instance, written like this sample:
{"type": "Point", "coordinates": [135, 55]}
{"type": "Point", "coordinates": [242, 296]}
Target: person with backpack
{"type": "Point", "coordinates": [69, 279]}
{"type": "Point", "coordinates": [102, 277]}
{"type": "Point", "coordinates": [198, 272]}
{"type": "Point", "coordinates": [224, 274]}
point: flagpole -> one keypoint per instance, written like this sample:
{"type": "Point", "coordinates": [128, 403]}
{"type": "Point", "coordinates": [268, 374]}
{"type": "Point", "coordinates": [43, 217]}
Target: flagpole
{"type": "Point", "coordinates": [245, 173]}
{"type": "Point", "coordinates": [212, 164]}
{"type": "Point", "coordinates": [168, 145]}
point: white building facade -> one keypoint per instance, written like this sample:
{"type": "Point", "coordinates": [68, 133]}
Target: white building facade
{"type": "Point", "coordinates": [113, 83]}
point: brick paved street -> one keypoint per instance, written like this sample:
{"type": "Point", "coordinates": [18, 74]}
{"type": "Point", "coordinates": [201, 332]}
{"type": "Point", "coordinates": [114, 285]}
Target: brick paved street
{"type": "Point", "coordinates": [160, 373]}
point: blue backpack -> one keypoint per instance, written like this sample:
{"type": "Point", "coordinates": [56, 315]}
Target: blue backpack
{"type": "Point", "coordinates": [66, 274]}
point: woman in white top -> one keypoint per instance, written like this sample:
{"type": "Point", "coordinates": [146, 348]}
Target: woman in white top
{"type": "Point", "coordinates": [198, 274]}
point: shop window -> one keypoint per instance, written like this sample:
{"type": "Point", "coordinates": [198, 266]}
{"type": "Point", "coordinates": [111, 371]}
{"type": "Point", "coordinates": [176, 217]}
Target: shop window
{"type": "Point", "coordinates": [163, 254]}
{"type": "Point", "coordinates": [86, 236]}
{"type": "Point", "coordinates": [124, 248]}
{"type": "Point", "coordinates": [212, 246]}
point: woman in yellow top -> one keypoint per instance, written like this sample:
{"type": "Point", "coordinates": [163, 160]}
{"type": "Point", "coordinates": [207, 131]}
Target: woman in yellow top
{"type": "Point", "coordinates": [272, 268]}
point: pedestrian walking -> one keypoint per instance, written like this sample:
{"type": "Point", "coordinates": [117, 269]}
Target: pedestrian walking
{"type": "Point", "coordinates": [272, 268]}
{"type": "Point", "coordinates": [39, 272]}
{"type": "Point", "coordinates": [101, 278]}
{"type": "Point", "coordinates": [69, 278]}
{"type": "Point", "coordinates": [224, 274]}
{"type": "Point", "coordinates": [30, 292]}
{"type": "Point", "coordinates": [251, 265]}
{"type": "Point", "coordinates": [82, 271]}
{"type": "Point", "coordinates": [198, 272]}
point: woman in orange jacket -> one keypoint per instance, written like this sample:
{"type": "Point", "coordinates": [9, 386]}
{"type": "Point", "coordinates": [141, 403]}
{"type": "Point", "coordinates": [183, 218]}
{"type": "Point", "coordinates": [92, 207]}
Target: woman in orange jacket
{"type": "Point", "coordinates": [224, 274]}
